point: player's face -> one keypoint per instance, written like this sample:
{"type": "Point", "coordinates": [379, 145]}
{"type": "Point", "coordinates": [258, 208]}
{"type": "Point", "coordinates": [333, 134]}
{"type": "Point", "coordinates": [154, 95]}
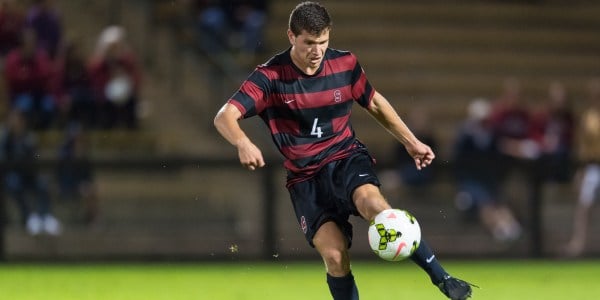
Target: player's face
{"type": "Point", "coordinates": [308, 50]}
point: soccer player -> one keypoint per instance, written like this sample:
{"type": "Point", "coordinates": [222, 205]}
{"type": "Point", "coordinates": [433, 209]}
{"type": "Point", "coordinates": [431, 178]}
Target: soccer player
{"type": "Point", "coordinates": [305, 95]}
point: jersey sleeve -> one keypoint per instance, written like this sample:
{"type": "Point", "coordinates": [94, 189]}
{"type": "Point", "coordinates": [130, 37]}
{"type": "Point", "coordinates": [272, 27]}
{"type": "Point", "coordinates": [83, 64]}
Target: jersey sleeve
{"type": "Point", "coordinates": [362, 91]}
{"type": "Point", "coordinates": [252, 96]}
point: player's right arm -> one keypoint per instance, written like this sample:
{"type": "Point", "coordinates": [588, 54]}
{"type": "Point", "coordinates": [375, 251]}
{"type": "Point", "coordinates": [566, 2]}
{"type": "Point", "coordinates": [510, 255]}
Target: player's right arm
{"type": "Point", "coordinates": [227, 123]}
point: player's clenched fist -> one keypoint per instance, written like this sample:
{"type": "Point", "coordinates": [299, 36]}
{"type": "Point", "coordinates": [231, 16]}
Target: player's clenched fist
{"type": "Point", "coordinates": [250, 156]}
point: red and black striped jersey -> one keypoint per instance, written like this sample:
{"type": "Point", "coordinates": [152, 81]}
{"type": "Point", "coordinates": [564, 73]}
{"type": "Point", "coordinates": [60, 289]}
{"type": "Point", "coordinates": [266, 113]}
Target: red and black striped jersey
{"type": "Point", "coordinates": [308, 116]}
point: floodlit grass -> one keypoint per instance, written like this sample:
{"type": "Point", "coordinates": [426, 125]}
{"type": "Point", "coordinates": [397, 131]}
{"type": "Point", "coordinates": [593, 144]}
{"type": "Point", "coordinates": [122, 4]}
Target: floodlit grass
{"type": "Point", "coordinates": [546, 280]}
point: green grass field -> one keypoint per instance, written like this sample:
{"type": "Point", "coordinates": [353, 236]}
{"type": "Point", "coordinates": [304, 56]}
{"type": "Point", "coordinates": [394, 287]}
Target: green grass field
{"type": "Point", "coordinates": [546, 280]}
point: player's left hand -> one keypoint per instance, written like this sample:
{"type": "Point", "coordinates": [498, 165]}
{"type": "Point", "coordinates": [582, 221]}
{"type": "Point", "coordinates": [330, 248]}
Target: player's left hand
{"type": "Point", "coordinates": [421, 153]}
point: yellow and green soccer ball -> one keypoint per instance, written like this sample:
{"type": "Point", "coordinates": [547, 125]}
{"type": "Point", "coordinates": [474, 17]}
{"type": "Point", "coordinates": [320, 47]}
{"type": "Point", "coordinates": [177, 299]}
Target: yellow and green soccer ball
{"type": "Point", "coordinates": [394, 234]}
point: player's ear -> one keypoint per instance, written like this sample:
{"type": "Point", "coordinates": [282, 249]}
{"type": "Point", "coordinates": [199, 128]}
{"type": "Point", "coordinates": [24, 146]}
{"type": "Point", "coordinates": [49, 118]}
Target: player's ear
{"type": "Point", "coordinates": [291, 37]}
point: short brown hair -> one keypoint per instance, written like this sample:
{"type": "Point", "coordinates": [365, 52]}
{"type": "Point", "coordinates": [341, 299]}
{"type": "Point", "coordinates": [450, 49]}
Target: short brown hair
{"type": "Point", "coordinates": [309, 16]}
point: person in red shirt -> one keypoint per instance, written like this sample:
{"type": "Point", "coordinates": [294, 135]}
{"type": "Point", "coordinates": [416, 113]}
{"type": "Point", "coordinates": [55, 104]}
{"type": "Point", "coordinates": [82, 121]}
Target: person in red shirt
{"type": "Point", "coordinates": [72, 87]}
{"type": "Point", "coordinates": [554, 131]}
{"type": "Point", "coordinates": [115, 78]}
{"type": "Point", "coordinates": [28, 73]}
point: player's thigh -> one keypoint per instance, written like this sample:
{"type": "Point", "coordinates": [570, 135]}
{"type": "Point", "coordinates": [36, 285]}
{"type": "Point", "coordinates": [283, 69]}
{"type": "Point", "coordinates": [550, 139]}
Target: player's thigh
{"type": "Point", "coordinates": [329, 236]}
{"type": "Point", "coordinates": [369, 201]}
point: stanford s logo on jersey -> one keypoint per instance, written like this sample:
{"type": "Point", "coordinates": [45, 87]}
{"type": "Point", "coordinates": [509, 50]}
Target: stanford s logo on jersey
{"type": "Point", "coordinates": [337, 96]}
{"type": "Point", "coordinates": [303, 224]}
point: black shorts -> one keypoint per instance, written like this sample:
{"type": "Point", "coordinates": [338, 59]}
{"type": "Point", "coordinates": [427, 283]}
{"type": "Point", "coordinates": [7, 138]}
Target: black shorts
{"type": "Point", "coordinates": [328, 195]}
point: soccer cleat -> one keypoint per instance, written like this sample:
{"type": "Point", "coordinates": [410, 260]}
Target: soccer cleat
{"type": "Point", "coordinates": [455, 288]}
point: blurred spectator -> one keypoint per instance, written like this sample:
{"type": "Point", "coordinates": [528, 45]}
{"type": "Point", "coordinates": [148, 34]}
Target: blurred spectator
{"type": "Point", "coordinates": [475, 155]}
{"type": "Point", "coordinates": [403, 176]}
{"type": "Point", "coordinates": [18, 146]}
{"type": "Point", "coordinates": [553, 130]}
{"type": "Point", "coordinates": [28, 72]}
{"type": "Point", "coordinates": [420, 123]}
{"type": "Point", "coordinates": [12, 22]}
{"type": "Point", "coordinates": [115, 78]}
{"type": "Point", "coordinates": [588, 175]}
{"type": "Point", "coordinates": [212, 26]}
{"type": "Point", "coordinates": [512, 124]}
{"type": "Point", "coordinates": [231, 25]}
{"type": "Point", "coordinates": [73, 90]}
{"type": "Point", "coordinates": [75, 172]}
{"type": "Point", "coordinates": [45, 20]}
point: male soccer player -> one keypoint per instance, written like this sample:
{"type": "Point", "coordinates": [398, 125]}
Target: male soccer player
{"type": "Point", "coordinates": [305, 95]}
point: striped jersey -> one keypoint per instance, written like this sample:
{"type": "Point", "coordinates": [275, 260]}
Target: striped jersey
{"type": "Point", "coordinates": [308, 115]}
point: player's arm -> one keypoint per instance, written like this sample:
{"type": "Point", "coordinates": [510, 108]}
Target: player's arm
{"type": "Point", "coordinates": [227, 123]}
{"type": "Point", "coordinates": [381, 109]}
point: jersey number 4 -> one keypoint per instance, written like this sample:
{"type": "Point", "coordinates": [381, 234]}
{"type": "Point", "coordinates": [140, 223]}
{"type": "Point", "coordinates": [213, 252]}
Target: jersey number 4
{"type": "Point", "coordinates": [316, 130]}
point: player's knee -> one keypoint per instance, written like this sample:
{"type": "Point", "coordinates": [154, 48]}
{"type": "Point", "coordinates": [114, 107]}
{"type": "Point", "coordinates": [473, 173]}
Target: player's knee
{"type": "Point", "coordinates": [337, 261]}
{"type": "Point", "coordinates": [334, 256]}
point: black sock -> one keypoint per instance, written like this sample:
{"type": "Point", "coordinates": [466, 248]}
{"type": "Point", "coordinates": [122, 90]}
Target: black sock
{"type": "Point", "coordinates": [425, 258]}
{"type": "Point", "coordinates": [342, 288]}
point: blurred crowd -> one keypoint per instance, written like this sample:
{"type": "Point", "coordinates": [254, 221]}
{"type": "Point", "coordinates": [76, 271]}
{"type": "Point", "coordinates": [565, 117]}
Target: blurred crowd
{"type": "Point", "coordinates": [226, 32]}
{"type": "Point", "coordinates": [550, 139]}
{"type": "Point", "coordinates": [230, 25]}
{"type": "Point", "coordinates": [52, 83]}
